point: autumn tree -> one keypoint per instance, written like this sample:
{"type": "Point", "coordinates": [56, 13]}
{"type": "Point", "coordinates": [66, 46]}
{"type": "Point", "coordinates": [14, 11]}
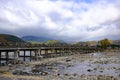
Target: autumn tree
{"type": "Point", "coordinates": [105, 43]}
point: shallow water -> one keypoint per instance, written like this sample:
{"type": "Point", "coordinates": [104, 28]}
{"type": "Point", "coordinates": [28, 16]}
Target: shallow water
{"type": "Point", "coordinates": [97, 64]}
{"type": "Point", "coordinates": [11, 56]}
{"type": "Point", "coordinates": [103, 69]}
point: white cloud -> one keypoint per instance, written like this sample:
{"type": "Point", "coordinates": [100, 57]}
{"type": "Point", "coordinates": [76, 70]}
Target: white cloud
{"type": "Point", "coordinates": [61, 19]}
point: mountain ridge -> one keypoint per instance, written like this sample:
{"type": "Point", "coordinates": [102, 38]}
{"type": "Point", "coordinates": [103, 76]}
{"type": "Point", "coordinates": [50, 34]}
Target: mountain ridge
{"type": "Point", "coordinates": [7, 39]}
{"type": "Point", "coordinates": [35, 38]}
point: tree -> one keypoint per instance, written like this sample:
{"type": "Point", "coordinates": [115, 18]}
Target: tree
{"type": "Point", "coordinates": [52, 42]}
{"type": "Point", "coordinates": [105, 43]}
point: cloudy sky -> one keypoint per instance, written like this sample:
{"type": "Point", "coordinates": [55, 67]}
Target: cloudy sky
{"type": "Point", "coordinates": [70, 20]}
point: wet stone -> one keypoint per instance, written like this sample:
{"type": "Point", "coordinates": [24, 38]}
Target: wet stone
{"type": "Point", "coordinates": [101, 71]}
{"type": "Point", "coordinates": [75, 74]}
{"type": "Point", "coordinates": [68, 60]}
{"type": "Point", "coordinates": [49, 67]}
{"type": "Point", "coordinates": [44, 73]}
{"type": "Point", "coordinates": [70, 65]}
{"type": "Point", "coordinates": [66, 74]}
{"type": "Point", "coordinates": [89, 70]}
{"type": "Point", "coordinates": [71, 78]}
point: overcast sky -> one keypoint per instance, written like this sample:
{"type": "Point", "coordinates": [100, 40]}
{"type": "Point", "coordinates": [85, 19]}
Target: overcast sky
{"type": "Point", "coordinates": [71, 20]}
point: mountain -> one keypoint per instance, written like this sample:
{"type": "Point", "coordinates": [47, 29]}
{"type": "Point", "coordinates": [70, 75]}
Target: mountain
{"type": "Point", "coordinates": [35, 39]}
{"type": "Point", "coordinates": [86, 43]}
{"type": "Point", "coordinates": [6, 39]}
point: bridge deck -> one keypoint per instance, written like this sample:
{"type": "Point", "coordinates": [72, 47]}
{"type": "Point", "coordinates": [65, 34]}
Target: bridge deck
{"type": "Point", "coordinates": [49, 51]}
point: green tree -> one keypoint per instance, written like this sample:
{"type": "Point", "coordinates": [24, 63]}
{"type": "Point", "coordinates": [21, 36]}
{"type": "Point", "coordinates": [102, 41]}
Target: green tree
{"type": "Point", "coordinates": [105, 43]}
{"type": "Point", "coordinates": [52, 42]}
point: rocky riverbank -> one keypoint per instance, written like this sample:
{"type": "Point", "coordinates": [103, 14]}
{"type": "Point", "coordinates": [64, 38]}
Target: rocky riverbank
{"type": "Point", "coordinates": [93, 66]}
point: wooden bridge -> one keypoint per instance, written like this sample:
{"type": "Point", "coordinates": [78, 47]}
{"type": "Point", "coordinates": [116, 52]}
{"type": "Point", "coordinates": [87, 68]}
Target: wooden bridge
{"type": "Point", "coordinates": [37, 52]}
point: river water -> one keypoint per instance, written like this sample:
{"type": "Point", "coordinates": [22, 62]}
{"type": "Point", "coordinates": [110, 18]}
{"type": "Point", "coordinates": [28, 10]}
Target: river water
{"type": "Point", "coordinates": [11, 56]}
{"type": "Point", "coordinates": [89, 64]}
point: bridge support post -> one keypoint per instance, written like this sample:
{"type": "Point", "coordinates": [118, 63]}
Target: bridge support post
{"type": "Point", "coordinates": [36, 55]}
{"type": "Point", "coordinates": [39, 52]}
{"type": "Point", "coordinates": [69, 51]}
{"type": "Point", "coordinates": [61, 51]}
{"type": "Point", "coordinates": [0, 57]}
{"type": "Point", "coordinates": [50, 52]}
{"type": "Point", "coordinates": [55, 52]}
{"type": "Point", "coordinates": [16, 55]}
{"type": "Point", "coordinates": [30, 55]}
{"type": "Point", "coordinates": [65, 52]}
{"type": "Point", "coordinates": [46, 53]}
{"type": "Point", "coordinates": [24, 55]}
{"type": "Point", "coordinates": [7, 57]}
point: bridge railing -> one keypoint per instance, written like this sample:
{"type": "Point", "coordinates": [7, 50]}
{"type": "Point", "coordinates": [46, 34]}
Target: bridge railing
{"type": "Point", "coordinates": [28, 45]}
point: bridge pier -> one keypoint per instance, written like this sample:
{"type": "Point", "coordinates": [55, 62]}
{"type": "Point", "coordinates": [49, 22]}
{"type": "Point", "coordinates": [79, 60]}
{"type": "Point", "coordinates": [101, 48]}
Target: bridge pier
{"type": "Point", "coordinates": [30, 55]}
{"type": "Point", "coordinates": [19, 54]}
{"type": "Point", "coordinates": [39, 52]}
{"type": "Point", "coordinates": [45, 51]}
{"type": "Point", "coordinates": [45, 54]}
{"type": "Point", "coordinates": [24, 55]}
{"type": "Point", "coordinates": [55, 52]}
{"type": "Point", "coordinates": [0, 57]}
{"type": "Point", "coordinates": [16, 56]}
{"type": "Point", "coordinates": [36, 55]}
{"type": "Point", "coordinates": [7, 57]}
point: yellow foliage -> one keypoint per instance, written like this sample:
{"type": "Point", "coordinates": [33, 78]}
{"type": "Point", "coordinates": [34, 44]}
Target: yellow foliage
{"type": "Point", "coordinates": [105, 42]}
